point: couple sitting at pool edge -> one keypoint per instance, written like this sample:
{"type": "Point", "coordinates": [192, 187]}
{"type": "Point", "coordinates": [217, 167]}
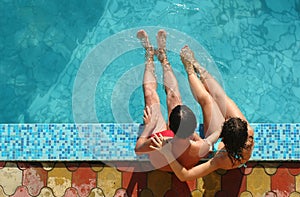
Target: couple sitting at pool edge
{"type": "Point", "coordinates": [175, 146]}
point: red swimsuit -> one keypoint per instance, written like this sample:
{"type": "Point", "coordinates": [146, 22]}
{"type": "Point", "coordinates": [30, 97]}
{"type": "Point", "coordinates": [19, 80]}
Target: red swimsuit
{"type": "Point", "coordinates": [165, 133]}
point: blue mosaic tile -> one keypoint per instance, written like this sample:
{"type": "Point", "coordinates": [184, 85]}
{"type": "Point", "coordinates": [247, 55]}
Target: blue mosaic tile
{"type": "Point", "coordinates": [276, 142]}
{"type": "Point", "coordinates": [109, 142]}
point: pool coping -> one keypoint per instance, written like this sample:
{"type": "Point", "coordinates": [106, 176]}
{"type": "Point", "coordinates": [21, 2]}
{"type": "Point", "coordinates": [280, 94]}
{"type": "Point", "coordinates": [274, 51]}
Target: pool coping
{"type": "Point", "coordinates": [116, 141]}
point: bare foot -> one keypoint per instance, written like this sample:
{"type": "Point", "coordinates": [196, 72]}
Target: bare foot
{"type": "Point", "coordinates": [161, 39]}
{"type": "Point", "coordinates": [143, 37]}
{"type": "Point", "coordinates": [161, 43]}
{"type": "Point", "coordinates": [188, 59]}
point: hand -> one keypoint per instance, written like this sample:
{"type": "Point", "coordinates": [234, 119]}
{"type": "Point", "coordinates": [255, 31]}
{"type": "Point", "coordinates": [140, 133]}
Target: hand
{"type": "Point", "coordinates": [161, 144]}
{"type": "Point", "coordinates": [147, 115]}
{"type": "Point", "coordinates": [149, 121]}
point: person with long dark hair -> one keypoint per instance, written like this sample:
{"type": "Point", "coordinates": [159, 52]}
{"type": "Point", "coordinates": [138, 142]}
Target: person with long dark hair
{"type": "Point", "coordinates": [236, 135]}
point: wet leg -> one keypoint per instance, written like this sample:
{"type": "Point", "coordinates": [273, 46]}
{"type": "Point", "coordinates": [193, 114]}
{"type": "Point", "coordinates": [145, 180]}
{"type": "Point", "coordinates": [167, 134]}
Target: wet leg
{"type": "Point", "coordinates": [170, 82]}
{"type": "Point", "coordinates": [212, 116]}
{"type": "Point", "coordinates": [226, 105]}
{"type": "Point", "coordinates": [150, 85]}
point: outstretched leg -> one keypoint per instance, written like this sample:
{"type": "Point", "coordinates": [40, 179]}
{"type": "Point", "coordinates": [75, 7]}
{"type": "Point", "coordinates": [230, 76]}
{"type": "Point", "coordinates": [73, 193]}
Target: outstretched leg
{"type": "Point", "coordinates": [212, 116]}
{"type": "Point", "coordinates": [170, 82]}
{"type": "Point", "coordinates": [149, 83]}
{"type": "Point", "coordinates": [226, 105]}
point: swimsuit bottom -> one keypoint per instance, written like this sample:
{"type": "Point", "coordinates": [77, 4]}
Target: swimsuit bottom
{"type": "Point", "coordinates": [165, 133]}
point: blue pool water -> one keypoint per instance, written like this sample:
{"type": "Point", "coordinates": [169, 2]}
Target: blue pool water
{"type": "Point", "coordinates": [72, 62]}
{"type": "Point", "coordinates": [45, 46]}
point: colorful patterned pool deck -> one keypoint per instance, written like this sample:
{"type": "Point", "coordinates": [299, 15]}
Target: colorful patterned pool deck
{"type": "Point", "coordinates": [24, 179]}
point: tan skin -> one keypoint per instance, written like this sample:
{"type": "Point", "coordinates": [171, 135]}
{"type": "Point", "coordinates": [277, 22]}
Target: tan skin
{"type": "Point", "coordinates": [190, 150]}
{"type": "Point", "coordinates": [221, 160]}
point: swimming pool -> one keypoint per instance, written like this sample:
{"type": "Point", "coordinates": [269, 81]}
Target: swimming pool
{"type": "Point", "coordinates": [71, 78]}
{"type": "Point", "coordinates": [255, 47]}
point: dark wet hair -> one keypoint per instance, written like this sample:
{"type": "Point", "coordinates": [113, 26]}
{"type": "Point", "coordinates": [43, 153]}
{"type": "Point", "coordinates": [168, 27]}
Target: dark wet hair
{"type": "Point", "coordinates": [234, 136]}
{"type": "Point", "coordinates": [182, 121]}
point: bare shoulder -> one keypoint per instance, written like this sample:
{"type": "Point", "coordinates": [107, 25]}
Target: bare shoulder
{"type": "Point", "coordinates": [250, 141]}
{"type": "Point", "coordinates": [199, 148]}
{"type": "Point", "coordinates": [195, 137]}
{"type": "Point", "coordinates": [222, 161]}
{"type": "Point", "coordinates": [198, 144]}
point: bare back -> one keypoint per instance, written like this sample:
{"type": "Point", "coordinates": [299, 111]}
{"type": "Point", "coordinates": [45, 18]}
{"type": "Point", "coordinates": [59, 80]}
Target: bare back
{"type": "Point", "coordinates": [188, 154]}
{"type": "Point", "coordinates": [190, 157]}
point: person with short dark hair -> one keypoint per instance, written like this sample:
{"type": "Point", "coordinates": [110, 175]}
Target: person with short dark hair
{"type": "Point", "coordinates": [182, 121]}
{"type": "Point", "coordinates": [237, 142]}
{"type": "Point", "coordinates": [188, 147]}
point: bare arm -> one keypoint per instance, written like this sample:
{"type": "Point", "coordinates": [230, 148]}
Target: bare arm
{"type": "Point", "coordinates": [143, 142]}
{"type": "Point", "coordinates": [181, 172]}
{"type": "Point", "coordinates": [195, 137]}
{"type": "Point", "coordinates": [196, 172]}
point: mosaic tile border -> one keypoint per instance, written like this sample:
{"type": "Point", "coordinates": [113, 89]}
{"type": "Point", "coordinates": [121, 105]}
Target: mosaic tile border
{"type": "Point", "coordinates": [115, 142]}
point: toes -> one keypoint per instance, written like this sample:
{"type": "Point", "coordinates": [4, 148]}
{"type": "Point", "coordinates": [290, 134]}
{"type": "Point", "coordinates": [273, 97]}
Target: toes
{"type": "Point", "coordinates": [161, 39]}
{"type": "Point", "coordinates": [186, 53]}
{"type": "Point", "coordinates": [162, 33]}
{"type": "Point", "coordinates": [185, 49]}
{"type": "Point", "coordinates": [143, 37]}
{"type": "Point", "coordinates": [141, 34]}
